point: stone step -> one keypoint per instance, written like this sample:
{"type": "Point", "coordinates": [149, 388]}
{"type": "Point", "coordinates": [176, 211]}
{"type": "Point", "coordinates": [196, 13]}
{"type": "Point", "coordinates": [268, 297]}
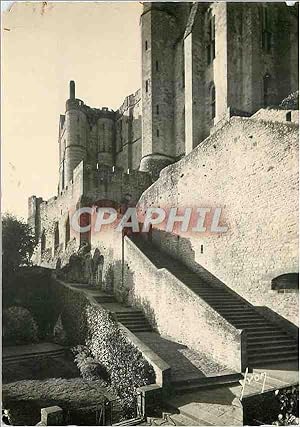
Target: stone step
{"type": "Point", "coordinates": [190, 386]}
{"type": "Point", "coordinates": [130, 316]}
{"type": "Point", "coordinates": [139, 328]}
{"type": "Point", "coordinates": [267, 353]}
{"type": "Point", "coordinates": [271, 344]}
{"type": "Point", "coordinates": [129, 313]}
{"type": "Point", "coordinates": [134, 320]}
{"type": "Point", "coordinates": [271, 349]}
{"type": "Point", "coordinates": [260, 334]}
{"type": "Point", "coordinates": [256, 361]}
{"type": "Point", "coordinates": [242, 316]}
{"type": "Point", "coordinates": [269, 339]}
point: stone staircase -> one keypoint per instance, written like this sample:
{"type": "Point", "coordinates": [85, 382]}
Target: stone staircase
{"type": "Point", "coordinates": [266, 342]}
{"type": "Point", "coordinates": [132, 319]}
{"type": "Point", "coordinates": [135, 321]}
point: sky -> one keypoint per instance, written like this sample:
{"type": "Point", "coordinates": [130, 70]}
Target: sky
{"type": "Point", "coordinates": [43, 48]}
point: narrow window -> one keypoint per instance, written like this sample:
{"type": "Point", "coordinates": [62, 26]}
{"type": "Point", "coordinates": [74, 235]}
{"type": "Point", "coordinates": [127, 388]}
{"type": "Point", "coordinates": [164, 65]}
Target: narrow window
{"type": "Point", "coordinates": [43, 241]}
{"type": "Point", "coordinates": [147, 86]}
{"type": "Point", "coordinates": [103, 127]}
{"type": "Point", "coordinates": [68, 229]}
{"type": "Point", "coordinates": [266, 89]}
{"type": "Point", "coordinates": [146, 45]}
{"type": "Point", "coordinates": [156, 66]}
{"type": "Point", "coordinates": [157, 132]}
{"type": "Point", "coordinates": [212, 101]}
{"type": "Point", "coordinates": [211, 49]}
{"type": "Point", "coordinates": [157, 109]}
{"type": "Point", "coordinates": [183, 79]}
{"type": "Point", "coordinates": [266, 30]}
{"type": "Point", "coordinates": [201, 249]}
{"type": "Point", "coordinates": [56, 236]}
{"type": "Point", "coordinates": [288, 116]}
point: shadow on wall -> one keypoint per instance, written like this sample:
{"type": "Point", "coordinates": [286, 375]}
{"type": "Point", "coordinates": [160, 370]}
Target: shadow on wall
{"type": "Point", "coordinates": [180, 248]}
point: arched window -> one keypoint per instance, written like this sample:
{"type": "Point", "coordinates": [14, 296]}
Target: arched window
{"type": "Point", "coordinates": [67, 239]}
{"type": "Point", "coordinates": [288, 282]}
{"type": "Point", "coordinates": [212, 97]}
{"type": "Point", "coordinates": [56, 236]}
{"type": "Point", "coordinates": [43, 241]}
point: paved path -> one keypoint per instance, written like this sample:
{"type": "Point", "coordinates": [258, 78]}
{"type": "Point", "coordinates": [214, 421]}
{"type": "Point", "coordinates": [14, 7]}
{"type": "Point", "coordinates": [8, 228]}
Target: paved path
{"type": "Point", "coordinates": [184, 362]}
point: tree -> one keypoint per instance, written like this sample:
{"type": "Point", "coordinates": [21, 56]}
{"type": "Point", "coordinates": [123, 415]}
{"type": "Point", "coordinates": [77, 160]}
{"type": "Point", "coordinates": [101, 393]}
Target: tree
{"type": "Point", "coordinates": [17, 244]}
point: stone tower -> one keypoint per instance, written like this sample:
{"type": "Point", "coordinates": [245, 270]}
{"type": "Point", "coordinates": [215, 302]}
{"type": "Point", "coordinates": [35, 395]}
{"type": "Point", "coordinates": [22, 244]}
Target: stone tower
{"type": "Point", "coordinates": [74, 145]}
{"type": "Point", "coordinates": [158, 33]}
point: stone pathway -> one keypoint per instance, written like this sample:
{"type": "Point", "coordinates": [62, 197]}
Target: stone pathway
{"type": "Point", "coordinates": [184, 362]}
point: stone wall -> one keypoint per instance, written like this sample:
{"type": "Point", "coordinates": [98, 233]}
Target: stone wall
{"type": "Point", "coordinates": [249, 168]}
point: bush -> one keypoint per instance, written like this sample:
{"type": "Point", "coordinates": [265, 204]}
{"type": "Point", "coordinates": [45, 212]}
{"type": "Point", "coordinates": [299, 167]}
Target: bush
{"type": "Point", "coordinates": [89, 368]}
{"type": "Point", "coordinates": [125, 365]}
{"type": "Point", "coordinates": [19, 326]}
{"type": "Point", "coordinates": [289, 406]}
{"type": "Point", "coordinates": [96, 329]}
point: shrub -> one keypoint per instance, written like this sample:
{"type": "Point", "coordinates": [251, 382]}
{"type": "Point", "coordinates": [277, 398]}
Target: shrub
{"type": "Point", "coordinates": [125, 365]}
{"type": "Point", "coordinates": [289, 406]}
{"type": "Point", "coordinates": [19, 326]}
{"type": "Point", "coordinates": [59, 335]}
{"type": "Point", "coordinates": [89, 368]}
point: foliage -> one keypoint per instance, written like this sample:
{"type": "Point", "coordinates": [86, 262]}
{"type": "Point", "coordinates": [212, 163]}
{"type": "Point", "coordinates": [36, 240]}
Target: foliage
{"type": "Point", "coordinates": [291, 102]}
{"type": "Point", "coordinates": [31, 288]}
{"type": "Point", "coordinates": [17, 244]}
{"type": "Point", "coordinates": [289, 406]}
{"type": "Point", "coordinates": [19, 326]}
{"type": "Point", "coordinates": [94, 327]}
{"type": "Point", "coordinates": [89, 368]}
{"type": "Point", "coordinates": [125, 365]}
{"type": "Point", "coordinates": [59, 335]}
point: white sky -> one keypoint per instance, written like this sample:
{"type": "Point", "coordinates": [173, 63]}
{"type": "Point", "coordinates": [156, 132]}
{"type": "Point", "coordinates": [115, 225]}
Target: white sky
{"type": "Point", "coordinates": [96, 44]}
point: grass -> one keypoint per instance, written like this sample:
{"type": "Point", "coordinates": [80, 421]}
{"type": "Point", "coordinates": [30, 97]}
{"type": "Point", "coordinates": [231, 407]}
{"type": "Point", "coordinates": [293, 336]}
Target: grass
{"type": "Point", "coordinates": [25, 398]}
{"type": "Point", "coordinates": [39, 369]}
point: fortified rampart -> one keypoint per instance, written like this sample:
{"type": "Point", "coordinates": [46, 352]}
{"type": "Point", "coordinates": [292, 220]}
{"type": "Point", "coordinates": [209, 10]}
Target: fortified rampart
{"type": "Point", "coordinates": [250, 169]}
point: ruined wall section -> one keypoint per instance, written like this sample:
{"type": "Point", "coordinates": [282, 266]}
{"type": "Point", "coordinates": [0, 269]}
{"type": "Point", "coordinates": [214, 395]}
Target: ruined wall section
{"type": "Point", "coordinates": [249, 168]}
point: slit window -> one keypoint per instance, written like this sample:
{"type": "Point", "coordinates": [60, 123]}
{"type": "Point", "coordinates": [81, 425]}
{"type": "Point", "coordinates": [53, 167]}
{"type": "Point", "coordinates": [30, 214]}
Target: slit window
{"type": "Point", "coordinates": [146, 45]}
{"type": "Point", "coordinates": [157, 109]}
{"type": "Point", "coordinates": [212, 101]}
{"type": "Point", "coordinates": [147, 86]}
{"type": "Point", "coordinates": [266, 89]}
{"type": "Point", "coordinates": [211, 45]}
{"type": "Point", "coordinates": [156, 66]}
{"type": "Point", "coordinates": [56, 236]}
{"type": "Point", "coordinates": [68, 228]}
{"type": "Point", "coordinates": [157, 132]}
{"type": "Point", "coordinates": [43, 242]}
{"type": "Point", "coordinates": [266, 29]}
